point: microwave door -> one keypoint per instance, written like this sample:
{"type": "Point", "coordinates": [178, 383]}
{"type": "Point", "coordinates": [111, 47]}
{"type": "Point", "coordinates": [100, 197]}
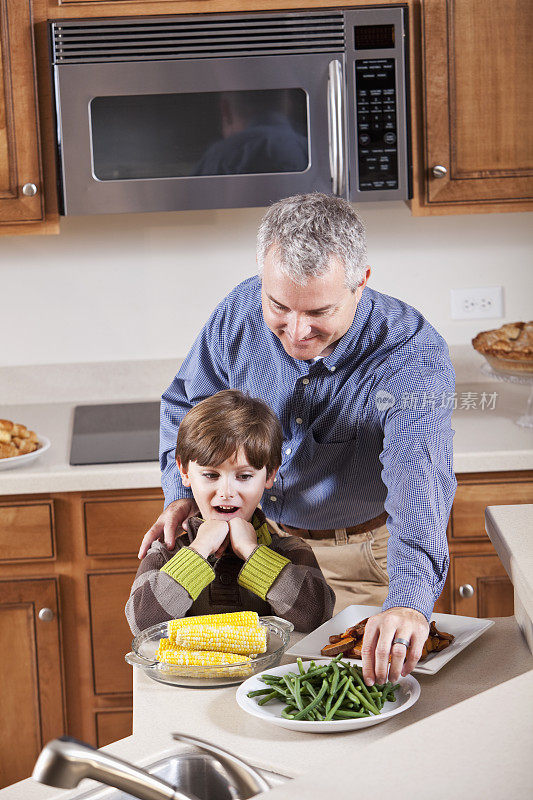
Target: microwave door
{"type": "Point", "coordinates": [200, 133]}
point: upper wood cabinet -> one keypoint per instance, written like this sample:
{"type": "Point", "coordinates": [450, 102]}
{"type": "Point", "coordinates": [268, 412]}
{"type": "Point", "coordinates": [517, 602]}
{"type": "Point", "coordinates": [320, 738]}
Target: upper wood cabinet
{"type": "Point", "coordinates": [21, 186]}
{"type": "Point", "coordinates": [478, 105]}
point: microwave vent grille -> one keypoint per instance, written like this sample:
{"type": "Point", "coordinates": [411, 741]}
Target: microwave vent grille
{"type": "Point", "coordinates": [210, 36]}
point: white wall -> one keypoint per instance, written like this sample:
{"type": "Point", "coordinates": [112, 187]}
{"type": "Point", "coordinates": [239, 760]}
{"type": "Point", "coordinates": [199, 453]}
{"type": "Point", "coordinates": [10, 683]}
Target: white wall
{"type": "Point", "coordinates": [139, 286]}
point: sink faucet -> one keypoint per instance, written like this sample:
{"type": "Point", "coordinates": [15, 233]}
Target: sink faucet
{"type": "Point", "coordinates": [65, 762]}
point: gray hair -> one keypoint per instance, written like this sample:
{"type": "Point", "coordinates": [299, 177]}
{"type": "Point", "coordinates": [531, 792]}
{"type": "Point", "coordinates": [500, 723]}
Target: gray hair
{"type": "Point", "coordinates": [306, 230]}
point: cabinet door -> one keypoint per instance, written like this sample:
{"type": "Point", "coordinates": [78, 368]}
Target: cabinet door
{"type": "Point", "coordinates": [30, 674]}
{"type": "Point", "coordinates": [478, 62]}
{"type": "Point", "coordinates": [110, 635]}
{"type": "Point", "coordinates": [21, 196]}
{"type": "Point", "coordinates": [481, 587]}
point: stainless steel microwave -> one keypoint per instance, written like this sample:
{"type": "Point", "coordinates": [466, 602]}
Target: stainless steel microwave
{"type": "Point", "coordinates": [231, 110]}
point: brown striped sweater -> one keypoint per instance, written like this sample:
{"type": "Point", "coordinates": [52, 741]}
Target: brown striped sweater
{"type": "Point", "coordinates": [281, 577]}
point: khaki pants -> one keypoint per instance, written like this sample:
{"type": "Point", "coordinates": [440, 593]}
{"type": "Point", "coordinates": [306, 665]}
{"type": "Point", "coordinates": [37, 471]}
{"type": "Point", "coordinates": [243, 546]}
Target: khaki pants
{"type": "Point", "coordinates": [354, 565]}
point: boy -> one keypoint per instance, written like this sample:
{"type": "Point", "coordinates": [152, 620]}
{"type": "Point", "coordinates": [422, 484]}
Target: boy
{"type": "Point", "coordinates": [228, 452]}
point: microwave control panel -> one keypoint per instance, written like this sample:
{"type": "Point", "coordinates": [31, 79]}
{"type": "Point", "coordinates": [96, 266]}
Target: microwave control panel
{"type": "Point", "coordinates": [377, 103]}
{"type": "Point", "coordinates": [377, 137]}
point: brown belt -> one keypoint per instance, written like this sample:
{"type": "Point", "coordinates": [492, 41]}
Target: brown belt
{"type": "Point", "coordinates": [363, 527]}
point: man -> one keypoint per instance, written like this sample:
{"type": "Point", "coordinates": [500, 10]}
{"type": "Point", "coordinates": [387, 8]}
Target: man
{"type": "Point", "coordinates": [361, 384]}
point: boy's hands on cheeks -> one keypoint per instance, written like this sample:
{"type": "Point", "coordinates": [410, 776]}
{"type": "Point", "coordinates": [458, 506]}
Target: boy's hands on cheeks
{"type": "Point", "coordinates": [243, 537]}
{"type": "Point", "coordinates": [212, 538]}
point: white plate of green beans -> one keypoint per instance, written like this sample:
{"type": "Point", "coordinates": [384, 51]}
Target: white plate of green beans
{"type": "Point", "coordinates": [324, 696]}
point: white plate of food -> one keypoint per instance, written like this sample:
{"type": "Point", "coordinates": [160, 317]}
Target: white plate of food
{"type": "Point", "coordinates": [12, 462]}
{"type": "Point", "coordinates": [405, 695]}
{"type": "Point", "coordinates": [463, 629]}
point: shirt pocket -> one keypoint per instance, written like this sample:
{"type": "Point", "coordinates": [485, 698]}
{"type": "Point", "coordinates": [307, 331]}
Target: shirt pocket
{"type": "Point", "coordinates": [331, 455]}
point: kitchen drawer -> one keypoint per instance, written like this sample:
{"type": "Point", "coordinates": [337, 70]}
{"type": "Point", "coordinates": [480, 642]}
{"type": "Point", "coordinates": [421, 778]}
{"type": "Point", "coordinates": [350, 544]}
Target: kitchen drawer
{"type": "Point", "coordinates": [115, 527]}
{"type": "Point", "coordinates": [468, 512]}
{"type": "Point", "coordinates": [27, 531]}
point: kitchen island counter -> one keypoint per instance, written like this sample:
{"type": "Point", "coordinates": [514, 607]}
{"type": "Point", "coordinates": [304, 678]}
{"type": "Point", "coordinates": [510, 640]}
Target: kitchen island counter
{"type": "Point", "coordinates": [482, 695]}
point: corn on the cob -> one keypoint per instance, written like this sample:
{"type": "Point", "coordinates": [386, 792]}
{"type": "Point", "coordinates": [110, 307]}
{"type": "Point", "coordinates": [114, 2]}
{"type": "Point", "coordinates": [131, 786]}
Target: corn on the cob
{"type": "Point", "coordinates": [204, 664]}
{"type": "Point", "coordinates": [199, 657]}
{"type": "Point", "coordinates": [165, 644]}
{"type": "Point", "coordinates": [241, 639]}
{"type": "Point", "coordinates": [232, 618]}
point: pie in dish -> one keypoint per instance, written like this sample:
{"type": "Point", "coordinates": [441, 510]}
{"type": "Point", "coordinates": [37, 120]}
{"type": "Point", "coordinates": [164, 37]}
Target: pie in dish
{"type": "Point", "coordinates": [16, 440]}
{"type": "Point", "coordinates": [509, 348]}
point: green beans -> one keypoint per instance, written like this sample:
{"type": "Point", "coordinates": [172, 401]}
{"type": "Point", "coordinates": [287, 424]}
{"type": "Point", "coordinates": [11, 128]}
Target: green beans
{"type": "Point", "coordinates": [330, 692]}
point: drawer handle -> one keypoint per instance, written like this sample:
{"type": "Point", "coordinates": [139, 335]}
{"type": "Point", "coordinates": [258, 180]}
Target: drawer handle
{"type": "Point", "coordinates": [46, 615]}
{"type": "Point", "coordinates": [466, 590]}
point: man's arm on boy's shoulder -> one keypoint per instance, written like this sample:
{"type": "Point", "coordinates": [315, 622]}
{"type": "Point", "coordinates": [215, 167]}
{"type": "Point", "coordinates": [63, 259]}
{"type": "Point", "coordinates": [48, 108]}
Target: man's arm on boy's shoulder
{"type": "Point", "coordinates": [165, 588]}
{"type": "Point", "coordinates": [286, 574]}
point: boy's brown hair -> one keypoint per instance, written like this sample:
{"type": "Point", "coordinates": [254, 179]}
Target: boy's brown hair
{"type": "Point", "coordinates": [217, 427]}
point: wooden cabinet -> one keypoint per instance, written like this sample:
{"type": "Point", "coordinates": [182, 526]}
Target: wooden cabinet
{"type": "Point", "coordinates": [477, 62]}
{"type": "Point", "coordinates": [21, 186]}
{"type": "Point", "coordinates": [482, 588]}
{"type": "Point", "coordinates": [76, 555]}
{"type": "Point", "coordinates": [477, 584]}
{"type": "Point", "coordinates": [31, 674]}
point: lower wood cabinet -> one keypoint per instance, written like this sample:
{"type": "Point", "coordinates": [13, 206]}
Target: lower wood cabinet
{"type": "Point", "coordinates": [66, 671]}
{"type": "Point", "coordinates": [72, 557]}
{"type": "Point", "coordinates": [31, 676]}
{"type": "Point", "coordinates": [482, 588]}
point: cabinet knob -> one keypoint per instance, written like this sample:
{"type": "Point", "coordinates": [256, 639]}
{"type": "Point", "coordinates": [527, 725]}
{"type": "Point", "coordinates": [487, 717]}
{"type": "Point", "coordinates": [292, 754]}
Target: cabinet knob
{"type": "Point", "coordinates": [46, 615]}
{"type": "Point", "coordinates": [466, 590]}
{"type": "Point", "coordinates": [439, 171]}
{"type": "Point", "coordinates": [29, 189]}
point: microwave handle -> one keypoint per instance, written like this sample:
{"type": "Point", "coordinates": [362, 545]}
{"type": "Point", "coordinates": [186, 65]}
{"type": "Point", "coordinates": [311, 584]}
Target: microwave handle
{"type": "Point", "coordinates": [335, 127]}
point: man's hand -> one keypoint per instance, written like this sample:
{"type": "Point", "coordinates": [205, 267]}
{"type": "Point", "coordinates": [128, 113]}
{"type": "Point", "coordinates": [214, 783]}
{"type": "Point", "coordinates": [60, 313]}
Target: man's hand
{"type": "Point", "coordinates": [380, 632]}
{"type": "Point", "coordinates": [167, 524]}
{"type": "Point", "coordinates": [243, 537]}
{"type": "Point", "coordinates": [212, 538]}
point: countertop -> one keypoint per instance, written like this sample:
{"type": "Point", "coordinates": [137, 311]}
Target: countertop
{"type": "Point", "coordinates": [487, 438]}
{"type": "Point", "coordinates": [510, 529]}
{"type": "Point", "coordinates": [469, 735]}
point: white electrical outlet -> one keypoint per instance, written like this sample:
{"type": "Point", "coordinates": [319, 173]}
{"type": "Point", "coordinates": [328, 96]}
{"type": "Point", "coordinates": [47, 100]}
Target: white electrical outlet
{"type": "Point", "coordinates": [477, 303]}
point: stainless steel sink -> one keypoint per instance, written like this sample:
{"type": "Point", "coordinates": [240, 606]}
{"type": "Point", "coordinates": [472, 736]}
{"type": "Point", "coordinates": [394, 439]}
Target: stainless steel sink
{"type": "Point", "coordinates": [198, 774]}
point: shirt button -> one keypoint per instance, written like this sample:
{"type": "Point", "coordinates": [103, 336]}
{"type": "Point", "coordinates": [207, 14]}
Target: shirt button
{"type": "Point", "coordinates": [305, 381]}
{"type": "Point", "coordinates": [273, 498]}
{"type": "Point", "coordinates": [332, 369]}
{"type": "Point", "coordinates": [288, 451]}
{"type": "Point", "coordinates": [299, 420]}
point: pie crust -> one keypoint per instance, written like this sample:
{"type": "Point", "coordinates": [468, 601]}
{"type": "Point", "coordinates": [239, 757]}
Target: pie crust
{"type": "Point", "coordinates": [509, 348]}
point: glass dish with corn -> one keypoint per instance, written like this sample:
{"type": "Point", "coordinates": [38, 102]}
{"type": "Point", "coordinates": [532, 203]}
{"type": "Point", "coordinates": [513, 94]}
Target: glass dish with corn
{"type": "Point", "coordinates": [210, 650]}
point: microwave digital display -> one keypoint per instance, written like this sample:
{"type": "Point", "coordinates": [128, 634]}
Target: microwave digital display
{"type": "Point", "coordinates": [373, 37]}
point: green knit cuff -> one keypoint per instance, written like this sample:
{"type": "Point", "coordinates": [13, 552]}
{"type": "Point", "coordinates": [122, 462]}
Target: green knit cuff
{"type": "Point", "coordinates": [191, 570]}
{"type": "Point", "coordinates": [261, 570]}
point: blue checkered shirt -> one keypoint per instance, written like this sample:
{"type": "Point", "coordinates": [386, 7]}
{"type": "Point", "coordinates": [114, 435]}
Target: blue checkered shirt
{"type": "Point", "coordinates": [366, 429]}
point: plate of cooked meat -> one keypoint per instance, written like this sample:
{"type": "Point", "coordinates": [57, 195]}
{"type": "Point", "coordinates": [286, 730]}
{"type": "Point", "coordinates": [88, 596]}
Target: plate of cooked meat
{"type": "Point", "coordinates": [449, 634]}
